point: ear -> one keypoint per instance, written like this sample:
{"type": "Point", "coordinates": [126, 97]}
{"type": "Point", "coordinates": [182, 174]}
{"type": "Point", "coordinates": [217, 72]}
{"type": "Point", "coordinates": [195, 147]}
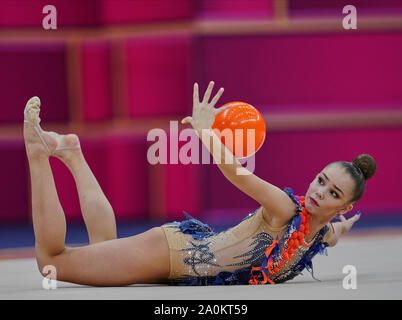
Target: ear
{"type": "Point", "coordinates": [346, 209]}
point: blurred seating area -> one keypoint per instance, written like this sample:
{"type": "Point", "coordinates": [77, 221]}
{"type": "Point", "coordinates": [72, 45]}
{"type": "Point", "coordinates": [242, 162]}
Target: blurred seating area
{"type": "Point", "coordinates": [115, 69]}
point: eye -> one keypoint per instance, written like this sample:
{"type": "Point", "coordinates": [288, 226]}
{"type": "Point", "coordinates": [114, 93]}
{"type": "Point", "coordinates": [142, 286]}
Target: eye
{"type": "Point", "coordinates": [335, 194]}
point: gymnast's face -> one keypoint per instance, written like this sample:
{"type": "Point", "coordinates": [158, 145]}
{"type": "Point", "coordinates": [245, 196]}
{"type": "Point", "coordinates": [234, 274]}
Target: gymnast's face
{"type": "Point", "coordinates": [332, 190]}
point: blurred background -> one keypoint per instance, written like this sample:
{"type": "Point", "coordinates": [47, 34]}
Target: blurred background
{"type": "Point", "coordinates": [115, 69]}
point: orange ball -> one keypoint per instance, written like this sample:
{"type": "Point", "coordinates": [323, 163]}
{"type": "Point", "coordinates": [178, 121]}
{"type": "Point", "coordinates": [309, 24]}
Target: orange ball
{"type": "Point", "coordinates": [237, 120]}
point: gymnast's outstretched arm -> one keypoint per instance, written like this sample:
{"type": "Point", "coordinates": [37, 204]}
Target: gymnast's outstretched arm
{"type": "Point", "coordinates": [279, 208]}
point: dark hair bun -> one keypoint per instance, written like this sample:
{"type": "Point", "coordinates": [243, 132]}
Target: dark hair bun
{"type": "Point", "coordinates": [366, 164]}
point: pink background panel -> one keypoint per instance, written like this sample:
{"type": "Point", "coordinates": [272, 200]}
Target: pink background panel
{"type": "Point", "coordinates": [159, 71]}
{"type": "Point", "coordinates": [15, 186]}
{"type": "Point", "coordinates": [28, 13]}
{"type": "Point", "coordinates": [182, 187]}
{"type": "Point", "coordinates": [124, 11]}
{"type": "Point", "coordinates": [234, 9]}
{"type": "Point", "coordinates": [33, 70]}
{"type": "Point", "coordinates": [306, 69]}
{"type": "Point", "coordinates": [183, 191]}
{"type": "Point", "coordinates": [96, 82]}
{"type": "Point", "coordinates": [298, 8]}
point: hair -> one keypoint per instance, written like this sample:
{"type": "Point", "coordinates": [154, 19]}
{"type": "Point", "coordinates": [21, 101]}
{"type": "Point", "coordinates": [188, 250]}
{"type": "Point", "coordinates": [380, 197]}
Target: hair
{"type": "Point", "coordinates": [362, 168]}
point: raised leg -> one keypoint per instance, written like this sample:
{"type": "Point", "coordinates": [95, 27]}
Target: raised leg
{"type": "Point", "coordinates": [47, 213]}
{"type": "Point", "coordinates": [96, 210]}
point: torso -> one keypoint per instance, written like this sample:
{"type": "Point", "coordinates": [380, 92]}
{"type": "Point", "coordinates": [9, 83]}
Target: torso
{"type": "Point", "coordinates": [234, 250]}
{"type": "Point", "coordinates": [241, 246]}
{"type": "Point", "coordinates": [238, 247]}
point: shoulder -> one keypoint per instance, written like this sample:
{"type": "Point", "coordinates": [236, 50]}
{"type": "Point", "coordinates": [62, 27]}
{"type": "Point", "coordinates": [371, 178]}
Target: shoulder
{"type": "Point", "coordinates": [286, 207]}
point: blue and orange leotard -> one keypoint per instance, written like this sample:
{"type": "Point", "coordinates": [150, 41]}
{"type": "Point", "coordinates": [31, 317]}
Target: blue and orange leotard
{"type": "Point", "coordinates": [252, 252]}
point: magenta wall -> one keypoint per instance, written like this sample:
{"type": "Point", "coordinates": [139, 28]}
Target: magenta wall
{"type": "Point", "coordinates": [33, 70]}
{"type": "Point", "coordinates": [96, 81]}
{"type": "Point", "coordinates": [239, 9]}
{"type": "Point", "coordinates": [73, 13]}
{"type": "Point", "coordinates": [28, 13]}
{"type": "Point", "coordinates": [125, 11]}
{"type": "Point", "coordinates": [14, 186]}
{"type": "Point", "coordinates": [299, 8]}
{"type": "Point", "coordinates": [78, 13]}
{"type": "Point", "coordinates": [158, 76]}
{"type": "Point", "coordinates": [304, 72]}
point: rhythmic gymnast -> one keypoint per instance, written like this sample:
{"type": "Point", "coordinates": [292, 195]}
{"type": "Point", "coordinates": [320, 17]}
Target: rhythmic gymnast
{"type": "Point", "coordinates": [270, 245]}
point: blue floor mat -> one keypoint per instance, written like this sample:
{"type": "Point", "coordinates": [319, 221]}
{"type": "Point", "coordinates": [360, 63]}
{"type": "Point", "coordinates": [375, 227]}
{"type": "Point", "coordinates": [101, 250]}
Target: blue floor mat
{"type": "Point", "coordinates": [17, 236]}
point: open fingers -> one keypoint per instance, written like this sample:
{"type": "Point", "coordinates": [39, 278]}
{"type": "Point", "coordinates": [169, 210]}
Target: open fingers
{"type": "Point", "coordinates": [356, 217]}
{"type": "Point", "coordinates": [221, 109]}
{"type": "Point", "coordinates": [353, 219]}
{"type": "Point", "coordinates": [216, 98]}
{"type": "Point", "coordinates": [195, 94]}
{"type": "Point", "coordinates": [342, 218]}
{"type": "Point", "coordinates": [208, 92]}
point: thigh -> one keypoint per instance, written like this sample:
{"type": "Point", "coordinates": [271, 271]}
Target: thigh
{"type": "Point", "coordinates": [143, 258]}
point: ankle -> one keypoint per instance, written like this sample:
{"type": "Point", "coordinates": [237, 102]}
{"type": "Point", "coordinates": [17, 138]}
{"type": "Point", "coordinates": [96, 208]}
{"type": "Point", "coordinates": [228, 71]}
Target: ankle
{"type": "Point", "coordinates": [70, 149]}
{"type": "Point", "coordinates": [36, 152]}
{"type": "Point", "coordinates": [72, 159]}
{"type": "Point", "coordinates": [34, 157]}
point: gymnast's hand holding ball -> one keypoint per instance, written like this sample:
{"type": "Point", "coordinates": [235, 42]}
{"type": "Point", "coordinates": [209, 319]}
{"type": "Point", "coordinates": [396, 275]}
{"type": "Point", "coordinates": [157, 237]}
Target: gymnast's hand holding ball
{"type": "Point", "coordinates": [203, 118]}
{"type": "Point", "coordinates": [204, 113]}
{"type": "Point", "coordinates": [241, 129]}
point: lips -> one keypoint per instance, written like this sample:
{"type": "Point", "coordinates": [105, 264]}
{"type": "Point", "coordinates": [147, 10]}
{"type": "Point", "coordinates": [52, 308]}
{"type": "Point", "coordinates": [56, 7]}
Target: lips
{"type": "Point", "coordinates": [314, 202]}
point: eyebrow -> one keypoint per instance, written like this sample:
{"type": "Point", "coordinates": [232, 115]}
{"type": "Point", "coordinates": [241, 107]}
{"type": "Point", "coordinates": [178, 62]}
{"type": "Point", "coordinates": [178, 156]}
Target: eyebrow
{"type": "Point", "coordinates": [334, 185]}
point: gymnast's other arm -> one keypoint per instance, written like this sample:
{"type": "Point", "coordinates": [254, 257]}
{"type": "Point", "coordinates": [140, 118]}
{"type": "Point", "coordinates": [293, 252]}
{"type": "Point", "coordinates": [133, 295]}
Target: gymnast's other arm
{"type": "Point", "coordinates": [336, 229]}
{"type": "Point", "coordinates": [279, 208]}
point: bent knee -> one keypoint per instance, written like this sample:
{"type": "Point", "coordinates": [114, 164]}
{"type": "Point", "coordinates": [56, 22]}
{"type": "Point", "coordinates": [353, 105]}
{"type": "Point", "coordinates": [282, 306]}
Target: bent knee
{"type": "Point", "coordinates": [46, 262]}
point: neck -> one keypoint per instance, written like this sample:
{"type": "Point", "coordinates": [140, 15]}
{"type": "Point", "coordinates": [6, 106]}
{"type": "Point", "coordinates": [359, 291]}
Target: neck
{"type": "Point", "coordinates": [315, 226]}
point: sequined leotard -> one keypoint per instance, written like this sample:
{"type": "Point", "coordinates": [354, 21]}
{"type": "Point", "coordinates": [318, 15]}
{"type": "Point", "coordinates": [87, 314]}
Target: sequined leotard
{"type": "Point", "coordinates": [198, 256]}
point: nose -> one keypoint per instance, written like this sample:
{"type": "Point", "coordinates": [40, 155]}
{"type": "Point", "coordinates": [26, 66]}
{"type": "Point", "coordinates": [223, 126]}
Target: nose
{"type": "Point", "coordinates": [319, 195]}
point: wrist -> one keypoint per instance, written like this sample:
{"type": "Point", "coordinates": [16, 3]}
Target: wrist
{"type": "Point", "coordinates": [203, 131]}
